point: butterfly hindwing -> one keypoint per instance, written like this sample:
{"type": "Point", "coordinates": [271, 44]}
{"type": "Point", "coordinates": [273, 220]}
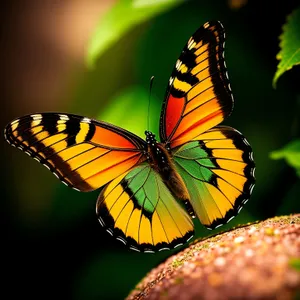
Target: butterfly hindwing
{"type": "Point", "coordinates": [218, 170]}
{"type": "Point", "coordinates": [140, 211]}
{"type": "Point", "coordinates": [199, 95]}
{"type": "Point", "coordinates": [83, 153]}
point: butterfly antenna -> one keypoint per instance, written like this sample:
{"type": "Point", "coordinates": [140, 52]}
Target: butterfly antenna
{"type": "Point", "coordinates": [148, 119]}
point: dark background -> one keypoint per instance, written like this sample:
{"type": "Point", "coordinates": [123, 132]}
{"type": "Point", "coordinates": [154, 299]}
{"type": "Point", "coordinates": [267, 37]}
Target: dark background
{"type": "Point", "coordinates": [53, 246]}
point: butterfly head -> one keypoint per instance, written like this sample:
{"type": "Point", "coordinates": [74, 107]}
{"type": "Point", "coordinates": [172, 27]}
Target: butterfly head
{"type": "Point", "coordinates": [150, 138]}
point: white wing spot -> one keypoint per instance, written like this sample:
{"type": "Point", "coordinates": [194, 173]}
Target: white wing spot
{"type": "Point", "coordinates": [178, 64]}
{"type": "Point", "coordinates": [14, 122]}
{"type": "Point", "coordinates": [162, 249]}
{"type": "Point", "coordinates": [46, 166]}
{"type": "Point", "coordinates": [171, 80]}
{"type": "Point", "coordinates": [86, 120]}
{"type": "Point", "coordinates": [37, 117]}
{"type": "Point", "coordinates": [55, 175]}
{"type": "Point", "coordinates": [101, 222]}
{"type": "Point", "coordinates": [135, 249]}
{"type": "Point", "coordinates": [246, 142]}
{"type": "Point", "coordinates": [37, 158]}
{"type": "Point", "coordinates": [121, 240]}
{"type": "Point", "coordinates": [230, 219]}
{"type": "Point", "coordinates": [251, 188]}
{"type": "Point", "coordinates": [76, 189]}
{"type": "Point", "coordinates": [149, 251]}
{"type": "Point", "coordinates": [191, 44]}
{"type": "Point", "coordinates": [64, 117]}
{"type": "Point", "coordinates": [251, 155]}
{"type": "Point", "coordinates": [189, 238]}
{"type": "Point", "coordinates": [109, 231]}
{"type": "Point", "coordinates": [245, 201]}
{"type": "Point", "coordinates": [206, 25]}
{"type": "Point", "coordinates": [180, 244]}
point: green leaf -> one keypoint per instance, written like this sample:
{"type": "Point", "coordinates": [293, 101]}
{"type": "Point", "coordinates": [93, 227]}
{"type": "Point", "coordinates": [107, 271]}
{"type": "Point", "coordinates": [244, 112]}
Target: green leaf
{"type": "Point", "coordinates": [123, 16]}
{"type": "Point", "coordinates": [289, 55]}
{"type": "Point", "coordinates": [291, 153]}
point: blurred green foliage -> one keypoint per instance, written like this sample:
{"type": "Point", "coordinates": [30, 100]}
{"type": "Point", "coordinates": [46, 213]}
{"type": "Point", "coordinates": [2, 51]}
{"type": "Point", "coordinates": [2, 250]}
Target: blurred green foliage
{"type": "Point", "coordinates": [133, 100]}
{"type": "Point", "coordinates": [291, 153]}
{"type": "Point", "coordinates": [289, 54]}
{"type": "Point", "coordinates": [65, 249]}
{"type": "Point", "coordinates": [124, 15]}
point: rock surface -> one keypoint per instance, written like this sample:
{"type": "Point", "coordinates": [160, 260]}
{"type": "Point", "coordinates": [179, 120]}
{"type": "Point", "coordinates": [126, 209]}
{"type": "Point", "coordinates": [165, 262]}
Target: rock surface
{"type": "Point", "coordinates": [257, 261]}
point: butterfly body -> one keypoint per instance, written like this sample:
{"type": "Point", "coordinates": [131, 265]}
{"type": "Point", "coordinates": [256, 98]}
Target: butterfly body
{"type": "Point", "coordinates": [161, 161]}
{"type": "Point", "coordinates": [198, 163]}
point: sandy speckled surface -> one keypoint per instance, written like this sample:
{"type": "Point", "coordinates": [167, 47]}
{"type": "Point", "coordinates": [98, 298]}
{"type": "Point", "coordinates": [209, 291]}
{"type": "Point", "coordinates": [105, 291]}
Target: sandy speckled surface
{"type": "Point", "coordinates": [251, 262]}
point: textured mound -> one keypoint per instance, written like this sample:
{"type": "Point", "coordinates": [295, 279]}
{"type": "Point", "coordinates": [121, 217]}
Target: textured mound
{"type": "Point", "coordinates": [257, 261]}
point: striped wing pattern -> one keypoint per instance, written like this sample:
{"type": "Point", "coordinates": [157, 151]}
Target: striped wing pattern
{"type": "Point", "coordinates": [199, 95]}
{"type": "Point", "coordinates": [218, 170]}
{"type": "Point", "coordinates": [83, 153]}
{"type": "Point", "coordinates": [140, 211]}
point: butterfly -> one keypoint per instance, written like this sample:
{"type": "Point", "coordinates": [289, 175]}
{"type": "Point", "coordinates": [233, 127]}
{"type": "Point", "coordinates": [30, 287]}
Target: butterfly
{"type": "Point", "coordinates": [152, 190]}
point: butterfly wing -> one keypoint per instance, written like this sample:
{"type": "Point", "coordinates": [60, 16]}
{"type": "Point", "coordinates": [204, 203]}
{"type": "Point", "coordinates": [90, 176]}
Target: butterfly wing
{"type": "Point", "coordinates": [199, 95]}
{"type": "Point", "coordinates": [84, 154]}
{"type": "Point", "coordinates": [139, 210]}
{"type": "Point", "coordinates": [218, 170]}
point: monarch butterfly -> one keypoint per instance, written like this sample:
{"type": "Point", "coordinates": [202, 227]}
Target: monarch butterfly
{"type": "Point", "coordinates": [152, 190]}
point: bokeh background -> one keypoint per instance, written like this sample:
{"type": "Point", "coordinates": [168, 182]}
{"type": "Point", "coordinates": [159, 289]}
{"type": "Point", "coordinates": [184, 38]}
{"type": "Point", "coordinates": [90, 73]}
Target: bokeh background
{"type": "Point", "coordinates": [52, 245]}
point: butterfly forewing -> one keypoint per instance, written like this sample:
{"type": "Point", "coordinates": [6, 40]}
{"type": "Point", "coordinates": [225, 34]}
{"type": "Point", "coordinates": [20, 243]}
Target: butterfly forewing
{"type": "Point", "coordinates": [198, 96]}
{"type": "Point", "coordinates": [82, 153]}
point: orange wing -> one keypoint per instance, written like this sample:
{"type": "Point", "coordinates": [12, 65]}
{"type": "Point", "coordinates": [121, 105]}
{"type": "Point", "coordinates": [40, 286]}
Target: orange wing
{"type": "Point", "coordinates": [199, 95]}
{"type": "Point", "coordinates": [84, 154]}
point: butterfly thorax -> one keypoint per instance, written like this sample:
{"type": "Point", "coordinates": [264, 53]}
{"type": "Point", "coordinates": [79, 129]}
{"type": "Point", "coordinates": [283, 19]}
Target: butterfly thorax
{"type": "Point", "coordinates": [161, 161]}
{"type": "Point", "coordinates": [158, 156]}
